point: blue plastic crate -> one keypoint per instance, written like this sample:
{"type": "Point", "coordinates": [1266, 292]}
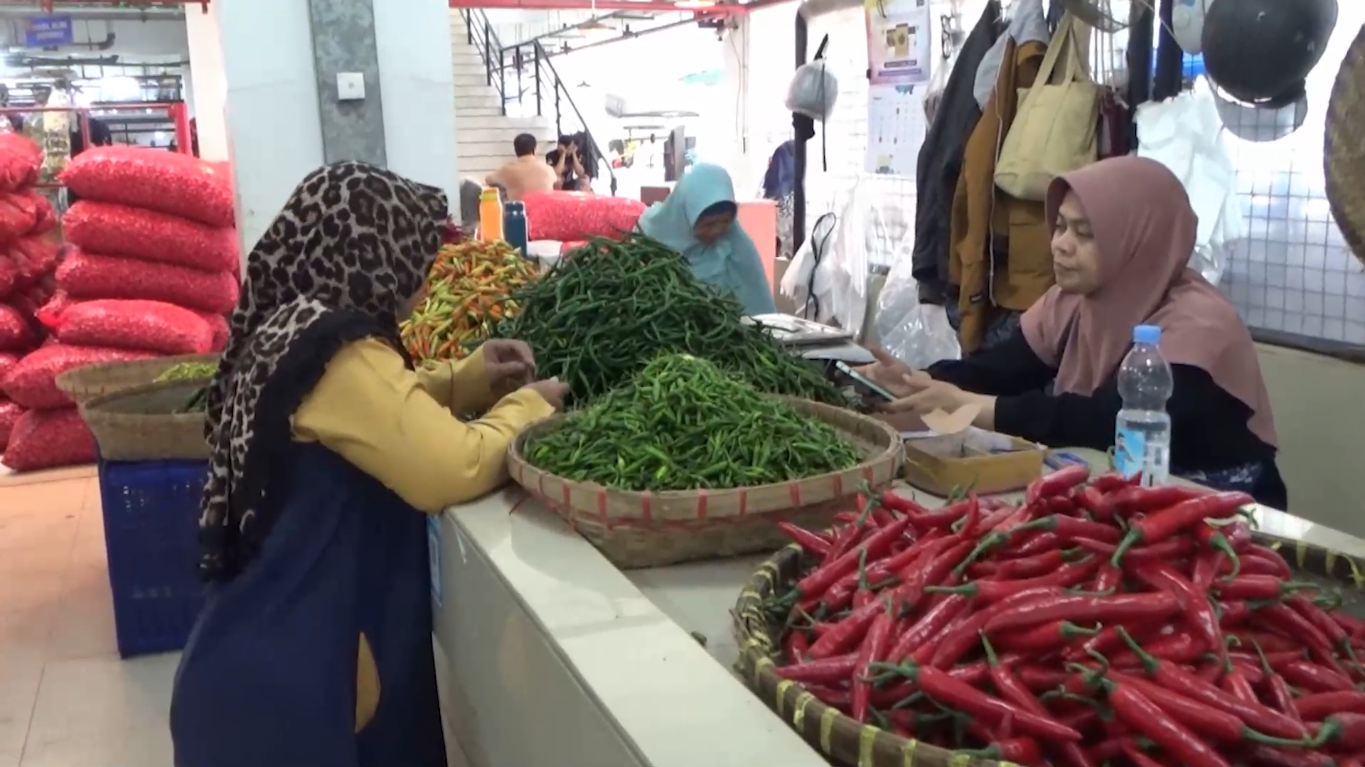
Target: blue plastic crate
{"type": "Point", "coordinates": [151, 528]}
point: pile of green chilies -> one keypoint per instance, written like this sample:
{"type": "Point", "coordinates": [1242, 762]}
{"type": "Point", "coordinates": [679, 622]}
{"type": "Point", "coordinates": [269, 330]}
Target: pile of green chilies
{"type": "Point", "coordinates": [598, 318]}
{"type": "Point", "coordinates": [684, 424]}
{"type": "Point", "coordinates": [1098, 622]}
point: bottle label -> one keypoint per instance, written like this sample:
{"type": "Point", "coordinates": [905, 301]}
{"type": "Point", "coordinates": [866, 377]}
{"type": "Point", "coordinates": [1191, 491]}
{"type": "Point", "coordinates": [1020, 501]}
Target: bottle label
{"type": "Point", "coordinates": [1130, 452]}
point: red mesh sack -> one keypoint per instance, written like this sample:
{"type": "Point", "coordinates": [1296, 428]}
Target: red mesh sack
{"type": "Point", "coordinates": [9, 275]}
{"type": "Point", "coordinates": [15, 333]}
{"type": "Point", "coordinates": [33, 382]}
{"type": "Point", "coordinates": [155, 179]}
{"type": "Point", "coordinates": [7, 361]}
{"type": "Point", "coordinates": [20, 160]}
{"type": "Point", "coordinates": [153, 326]}
{"type": "Point", "coordinates": [34, 258]}
{"type": "Point", "coordinates": [46, 439]}
{"type": "Point", "coordinates": [44, 217]}
{"type": "Point", "coordinates": [18, 215]}
{"type": "Point", "coordinates": [120, 230]}
{"type": "Point", "coordinates": [574, 216]}
{"type": "Point", "coordinates": [9, 414]}
{"type": "Point", "coordinates": [85, 276]}
{"type": "Point", "coordinates": [221, 330]}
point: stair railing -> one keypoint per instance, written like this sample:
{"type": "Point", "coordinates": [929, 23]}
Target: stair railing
{"type": "Point", "coordinates": [498, 60]}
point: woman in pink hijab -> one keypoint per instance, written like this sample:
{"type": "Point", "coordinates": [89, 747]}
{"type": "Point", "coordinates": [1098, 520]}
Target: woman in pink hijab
{"type": "Point", "coordinates": [1123, 232]}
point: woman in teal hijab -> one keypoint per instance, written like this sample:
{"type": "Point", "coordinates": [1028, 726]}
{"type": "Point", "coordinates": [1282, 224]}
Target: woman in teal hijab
{"type": "Point", "coordinates": [698, 220]}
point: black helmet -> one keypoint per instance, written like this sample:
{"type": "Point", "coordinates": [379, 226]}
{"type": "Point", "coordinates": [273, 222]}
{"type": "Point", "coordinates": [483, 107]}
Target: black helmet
{"type": "Point", "coordinates": [1261, 51]}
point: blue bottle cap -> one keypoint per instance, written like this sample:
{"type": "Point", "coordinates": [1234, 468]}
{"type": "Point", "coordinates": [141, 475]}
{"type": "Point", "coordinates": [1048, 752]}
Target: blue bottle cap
{"type": "Point", "coordinates": [1146, 334]}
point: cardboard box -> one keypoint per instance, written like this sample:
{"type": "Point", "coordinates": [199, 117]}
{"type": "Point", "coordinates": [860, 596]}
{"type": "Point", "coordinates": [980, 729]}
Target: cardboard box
{"type": "Point", "coordinates": [973, 459]}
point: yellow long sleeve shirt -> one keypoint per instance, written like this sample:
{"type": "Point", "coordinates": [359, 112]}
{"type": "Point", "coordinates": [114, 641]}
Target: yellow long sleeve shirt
{"type": "Point", "coordinates": [400, 427]}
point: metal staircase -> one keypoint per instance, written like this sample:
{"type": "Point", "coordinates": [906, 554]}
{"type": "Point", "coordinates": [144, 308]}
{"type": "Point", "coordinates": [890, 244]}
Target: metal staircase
{"type": "Point", "coordinates": [501, 91]}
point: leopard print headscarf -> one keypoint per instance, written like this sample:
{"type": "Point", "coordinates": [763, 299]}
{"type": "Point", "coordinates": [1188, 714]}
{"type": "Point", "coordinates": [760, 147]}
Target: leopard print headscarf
{"type": "Point", "coordinates": [353, 244]}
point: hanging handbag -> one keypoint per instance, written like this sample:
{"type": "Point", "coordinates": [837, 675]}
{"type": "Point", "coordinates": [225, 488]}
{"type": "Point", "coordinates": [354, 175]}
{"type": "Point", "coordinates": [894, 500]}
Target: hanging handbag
{"type": "Point", "coordinates": [1054, 130]}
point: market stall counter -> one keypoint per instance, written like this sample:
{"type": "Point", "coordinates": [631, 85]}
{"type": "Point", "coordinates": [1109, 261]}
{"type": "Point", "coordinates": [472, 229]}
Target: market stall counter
{"type": "Point", "coordinates": [551, 656]}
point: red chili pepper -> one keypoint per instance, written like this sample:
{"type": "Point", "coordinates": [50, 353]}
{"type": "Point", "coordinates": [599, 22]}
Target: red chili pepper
{"type": "Point", "coordinates": [1270, 557]}
{"type": "Point", "coordinates": [1110, 481]}
{"type": "Point", "coordinates": [1349, 623]}
{"type": "Point", "coordinates": [989, 591]}
{"type": "Point", "coordinates": [1172, 677]}
{"type": "Point", "coordinates": [1269, 756]}
{"type": "Point", "coordinates": [1011, 750]}
{"type": "Point", "coordinates": [902, 504]}
{"type": "Point", "coordinates": [1316, 706]}
{"type": "Point", "coordinates": [1086, 609]}
{"type": "Point", "coordinates": [1260, 587]}
{"type": "Point", "coordinates": [1181, 647]}
{"type": "Point", "coordinates": [1207, 564]}
{"type": "Point", "coordinates": [1313, 677]}
{"type": "Point", "coordinates": [1141, 500]}
{"type": "Point", "coordinates": [1147, 718]}
{"type": "Point", "coordinates": [1138, 758]}
{"type": "Point", "coordinates": [956, 694]}
{"type": "Point", "coordinates": [1323, 622]}
{"type": "Point", "coordinates": [1093, 500]}
{"type": "Point", "coordinates": [809, 542]}
{"type": "Point", "coordinates": [1236, 684]}
{"type": "Point", "coordinates": [873, 650]}
{"type": "Point", "coordinates": [882, 517]}
{"type": "Point", "coordinates": [971, 521]}
{"type": "Point", "coordinates": [1068, 528]}
{"type": "Point", "coordinates": [830, 696]}
{"type": "Point", "coordinates": [1041, 677]}
{"type": "Point", "coordinates": [1344, 732]}
{"type": "Point", "coordinates": [844, 539]}
{"type": "Point", "coordinates": [1062, 504]}
{"type": "Point", "coordinates": [1194, 603]}
{"type": "Point", "coordinates": [1045, 638]}
{"type": "Point", "coordinates": [908, 594]}
{"type": "Point", "coordinates": [943, 518]}
{"type": "Point", "coordinates": [962, 637]}
{"type": "Point", "coordinates": [796, 646]}
{"type": "Point", "coordinates": [848, 633]}
{"type": "Point", "coordinates": [1166, 551]}
{"type": "Point", "coordinates": [1029, 544]}
{"type": "Point", "coordinates": [1233, 614]}
{"type": "Point", "coordinates": [826, 671]}
{"type": "Point", "coordinates": [1208, 722]}
{"type": "Point", "coordinates": [827, 575]}
{"type": "Point", "coordinates": [1057, 482]}
{"type": "Point", "coordinates": [1281, 619]}
{"type": "Point", "coordinates": [1179, 518]}
{"type": "Point", "coordinates": [932, 623]}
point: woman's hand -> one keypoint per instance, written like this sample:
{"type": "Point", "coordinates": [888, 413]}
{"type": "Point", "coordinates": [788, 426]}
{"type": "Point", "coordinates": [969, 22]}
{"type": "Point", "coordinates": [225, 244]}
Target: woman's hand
{"type": "Point", "coordinates": [892, 374]}
{"type": "Point", "coordinates": [552, 390]}
{"type": "Point", "coordinates": [927, 395]}
{"type": "Point", "coordinates": [510, 364]}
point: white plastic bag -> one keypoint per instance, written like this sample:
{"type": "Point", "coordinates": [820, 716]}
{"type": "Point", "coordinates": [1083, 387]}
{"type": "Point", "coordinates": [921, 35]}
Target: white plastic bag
{"type": "Point", "coordinates": [813, 91]}
{"type": "Point", "coordinates": [914, 333]}
{"type": "Point", "coordinates": [876, 227]}
{"type": "Point", "coordinates": [1185, 134]}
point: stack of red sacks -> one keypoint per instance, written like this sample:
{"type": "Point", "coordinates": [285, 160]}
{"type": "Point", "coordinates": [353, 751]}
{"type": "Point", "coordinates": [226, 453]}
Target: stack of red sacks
{"type": "Point", "coordinates": [28, 256]}
{"type": "Point", "coordinates": [151, 270]}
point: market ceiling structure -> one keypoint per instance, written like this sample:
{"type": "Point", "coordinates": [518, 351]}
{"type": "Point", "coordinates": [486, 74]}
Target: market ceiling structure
{"type": "Point", "coordinates": [53, 6]}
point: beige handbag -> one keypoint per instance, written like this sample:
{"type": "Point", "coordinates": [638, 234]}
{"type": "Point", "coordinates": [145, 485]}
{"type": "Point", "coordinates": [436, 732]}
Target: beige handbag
{"type": "Point", "coordinates": [1054, 130]}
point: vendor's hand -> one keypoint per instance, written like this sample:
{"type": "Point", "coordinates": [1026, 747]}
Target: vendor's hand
{"type": "Point", "coordinates": [510, 364]}
{"type": "Point", "coordinates": [552, 390]}
{"type": "Point", "coordinates": [892, 374]}
{"type": "Point", "coordinates": [925, 395]}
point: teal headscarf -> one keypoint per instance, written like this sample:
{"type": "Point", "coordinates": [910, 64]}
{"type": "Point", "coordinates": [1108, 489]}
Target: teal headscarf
{"type": "Point", "coordinates": [730, 263]}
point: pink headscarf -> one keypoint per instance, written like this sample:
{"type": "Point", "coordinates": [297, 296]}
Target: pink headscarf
{"type": "Point", "coordinates": [1145, 232]}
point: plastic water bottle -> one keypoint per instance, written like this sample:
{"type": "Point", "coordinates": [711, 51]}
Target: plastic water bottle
{"type": "Point", "coordinates": [1142, 432]}
{"type": "Point", "coordinates": [514, 226]}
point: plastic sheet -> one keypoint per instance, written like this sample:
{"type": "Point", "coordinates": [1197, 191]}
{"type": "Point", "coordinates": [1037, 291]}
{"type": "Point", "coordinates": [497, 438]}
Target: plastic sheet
{"type": "Point", "coordinates": [813, 91]}
{"type": "Point", "coordinates": [915, 333]}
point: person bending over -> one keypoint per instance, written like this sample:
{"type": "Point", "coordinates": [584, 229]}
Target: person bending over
{"type": "Point", "coordinates": [329, 451]}
{"type": "Point", "coordinates": [1123, 232]}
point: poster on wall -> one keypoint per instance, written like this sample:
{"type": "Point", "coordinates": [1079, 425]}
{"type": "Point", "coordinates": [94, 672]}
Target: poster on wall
{"type": "Point", "coordinates": [898, 41]}
{"type": "Point", "coordinates": [895, 129]}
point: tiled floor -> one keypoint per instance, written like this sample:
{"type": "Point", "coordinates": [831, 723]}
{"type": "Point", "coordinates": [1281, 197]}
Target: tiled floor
{"type": "Point", "coordinates": [66, 699]}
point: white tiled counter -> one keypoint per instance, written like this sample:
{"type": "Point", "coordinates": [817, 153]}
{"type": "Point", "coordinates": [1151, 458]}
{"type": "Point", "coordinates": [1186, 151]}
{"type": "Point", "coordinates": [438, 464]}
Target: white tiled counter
{"type": "Point", "coordinates": [551, 657]}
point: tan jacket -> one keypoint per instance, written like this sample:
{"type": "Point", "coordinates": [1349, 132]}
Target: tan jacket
{"type": "Point", "coordinates": [981, 211]}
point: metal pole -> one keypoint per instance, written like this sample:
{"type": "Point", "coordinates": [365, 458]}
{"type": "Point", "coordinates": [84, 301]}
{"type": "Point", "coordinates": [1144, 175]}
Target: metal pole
{"type": "Point", "coordinates": [536, 53]}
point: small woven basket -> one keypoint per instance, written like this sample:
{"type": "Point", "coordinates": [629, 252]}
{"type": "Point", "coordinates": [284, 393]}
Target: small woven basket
{"type": "Point", "coordinates": [90, 381]}
{"type": "Point", "coordinates": [849, 743]}
{"type": "Point", "coordinates": [634, 529]}
{"type": "Point", "coordinates": [141, 423]}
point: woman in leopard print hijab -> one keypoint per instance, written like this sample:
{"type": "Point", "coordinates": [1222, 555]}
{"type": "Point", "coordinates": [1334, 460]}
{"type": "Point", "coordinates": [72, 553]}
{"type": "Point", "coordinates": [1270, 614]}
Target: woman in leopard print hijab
{"type": "Point", "coordinates": [351, 248]}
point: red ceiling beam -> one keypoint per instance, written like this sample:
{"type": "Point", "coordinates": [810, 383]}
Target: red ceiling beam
{"type": "Point", "coordinates": [604, 5]}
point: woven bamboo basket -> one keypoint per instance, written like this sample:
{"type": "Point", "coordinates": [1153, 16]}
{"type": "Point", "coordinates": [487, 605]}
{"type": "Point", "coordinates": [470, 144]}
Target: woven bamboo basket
{"type": "Point", "coordinates": [1343, 153]}
{"type": "Point", "coordinates": [847, 742]}
{"type": "Point", "coordinates": [85, 383]}
{"type": "Point", "coordinates": [140, 423]}
{"type": "Point", "coordinates": [634, 529]}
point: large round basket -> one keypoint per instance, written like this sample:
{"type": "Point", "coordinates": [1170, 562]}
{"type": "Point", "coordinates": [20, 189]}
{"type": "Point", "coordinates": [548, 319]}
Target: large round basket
{"type": "Point", "coordinates": [848, 742]}
{"type": "Point", "coordinates": [142, 423]}
{"type": "Point", "coordinates": [634, 529]}
{"type": "Point", "coordinates": [91, 381]}
{"type": "Point", "coordinates": [1343, 153]}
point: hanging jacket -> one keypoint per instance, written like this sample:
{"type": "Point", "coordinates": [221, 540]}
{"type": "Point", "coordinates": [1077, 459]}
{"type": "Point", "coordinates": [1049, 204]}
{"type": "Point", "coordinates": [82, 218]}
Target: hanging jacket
{"type": "Point", "coordinates": [940, 159]}
{"type": "Point", "coordinates": [980, 213]}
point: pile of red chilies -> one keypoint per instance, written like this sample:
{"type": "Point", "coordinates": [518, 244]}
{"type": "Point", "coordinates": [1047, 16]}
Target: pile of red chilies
{"type": "Point", "coordinates": [1097, 623]}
